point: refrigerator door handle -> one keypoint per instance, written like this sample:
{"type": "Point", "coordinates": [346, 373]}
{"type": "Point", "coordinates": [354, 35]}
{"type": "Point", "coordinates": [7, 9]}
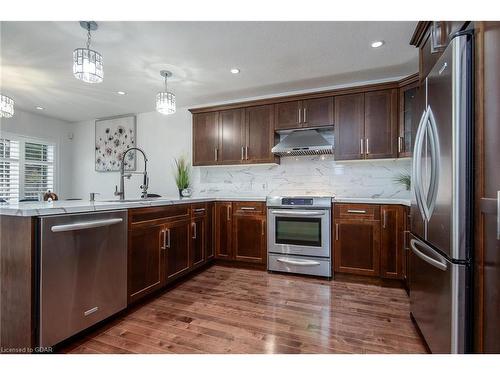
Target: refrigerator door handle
{"type": "Point", "coordinates": [433, 262]}
{"type": "Point", "coordinates": [435, 164]}
{"type": "Point", "coordinates": [417, 167]}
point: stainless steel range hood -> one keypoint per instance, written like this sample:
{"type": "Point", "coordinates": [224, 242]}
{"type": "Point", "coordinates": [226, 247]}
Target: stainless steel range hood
{"type": "Point", "coordinates": [303, 142]}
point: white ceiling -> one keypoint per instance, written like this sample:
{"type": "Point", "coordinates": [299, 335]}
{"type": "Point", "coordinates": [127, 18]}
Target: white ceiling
{"type": "Point", "coordinates": [274, 57]}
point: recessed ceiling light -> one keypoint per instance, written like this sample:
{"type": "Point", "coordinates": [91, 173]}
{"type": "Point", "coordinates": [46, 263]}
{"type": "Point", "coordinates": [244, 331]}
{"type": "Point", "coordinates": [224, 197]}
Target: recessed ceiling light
{"type": "Point", "coordinates": [39, 108]}
{"type": "Point", "coordinates": [378, 43]}
{"type": "Point", "coordinates": [121, 93]}
{"type": "Point", "coordinates": [235, 70]}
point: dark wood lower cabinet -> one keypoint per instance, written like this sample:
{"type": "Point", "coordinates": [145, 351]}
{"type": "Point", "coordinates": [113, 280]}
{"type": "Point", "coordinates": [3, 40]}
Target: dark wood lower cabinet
{"type": "Point", "coordinates": [357, 247]}
{"type": "Point", "coordinates": [249, 238]}
{"type": "Point", "coordinates": [198, 240]}
{"type": "Point", "coordinates": [210, 238]}
{"type": "Point", "coordinates": [145, 258]}
{"type": "Point", "coordinates": [369, 240]}
{"type": "Point", "coordinates": [223, 233]}
{"type": "Point", "coordinates": [392, 252]}
{"type": "Point", "coordinates": [176, 246]}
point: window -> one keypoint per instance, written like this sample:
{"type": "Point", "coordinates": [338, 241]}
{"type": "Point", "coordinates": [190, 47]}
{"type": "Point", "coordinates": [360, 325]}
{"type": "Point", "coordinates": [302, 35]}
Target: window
{"type": "Point", "coordinates": [26, 168]}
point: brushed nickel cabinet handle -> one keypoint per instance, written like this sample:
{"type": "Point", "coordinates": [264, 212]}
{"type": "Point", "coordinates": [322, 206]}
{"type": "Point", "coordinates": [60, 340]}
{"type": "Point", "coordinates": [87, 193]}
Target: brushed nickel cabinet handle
{"type": "Point", "coordinates": [262, 228]}
{"type": "Point", "coordinates": [384, 221]}
{"type": "Point", "coordinates": [194, 230]}
{"type": "Point", "coordinates": [299, 116]}
{"type": "Point", "coordinates": [400, 144]}
{"type": "Point", "coordinates": [164, 245]}
{"type": "Point", "coordinates": [168, 238]}
{"type": "Point", "coordinates": [246, 152]}
{"type": "Point", "coordinates": [228, 213]}
{"type": "Point", "coordinates": [305, 114]}
{"type": "Point", "coordinates": [367, 149]}
{"type": "Point", "coordinates": [216, 154]}
{"type": "Point", "coordinates": [361, 146]}
{"type": "Point", "coordinates": [199, 210]}
{"type": "Point", "coordinates": [247, 208]}
{"type": "Point", "coordinates": [242, 152]}
{"type": "Point", "coordinates": [337, 232]}
{"type": "Point", "coordinates": [356, 211]}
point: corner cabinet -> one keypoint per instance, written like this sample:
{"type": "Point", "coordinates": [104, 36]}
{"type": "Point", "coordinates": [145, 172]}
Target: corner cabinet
{"type": "Point", "coordinates": [410, 111]}
{"type": "Point", "coordinates": [234, 136]}
{"type": "Point", "coordinates": [241, 232]}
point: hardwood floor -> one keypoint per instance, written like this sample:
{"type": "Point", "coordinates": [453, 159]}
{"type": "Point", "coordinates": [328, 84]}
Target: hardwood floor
{"type": "Point", "coordinates": [228, 310]}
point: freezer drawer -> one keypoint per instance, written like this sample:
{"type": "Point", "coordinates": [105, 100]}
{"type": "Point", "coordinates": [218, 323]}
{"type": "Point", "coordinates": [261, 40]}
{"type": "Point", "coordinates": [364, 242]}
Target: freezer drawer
{"type": "Point", "coordinates": [299, 264]}
{"type": "Point", "coordinates": [83, 272]}
{"type": "Point", "coordinates": [437, 298]}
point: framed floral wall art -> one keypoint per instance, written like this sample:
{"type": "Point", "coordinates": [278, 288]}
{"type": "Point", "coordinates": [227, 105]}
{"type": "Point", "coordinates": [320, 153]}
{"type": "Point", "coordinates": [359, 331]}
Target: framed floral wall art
{"type": "Point", "coordinates": [113, 136]}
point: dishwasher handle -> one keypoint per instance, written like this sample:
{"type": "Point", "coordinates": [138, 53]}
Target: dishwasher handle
{"type": "Point", "coordinates": [85, 225]}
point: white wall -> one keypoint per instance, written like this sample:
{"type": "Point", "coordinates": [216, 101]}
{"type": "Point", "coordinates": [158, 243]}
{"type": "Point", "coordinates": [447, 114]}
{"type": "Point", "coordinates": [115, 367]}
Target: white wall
{"type": "Point", "coordinates": [46, 128]}
{"type": "Point", "coordinates": [163, 138]}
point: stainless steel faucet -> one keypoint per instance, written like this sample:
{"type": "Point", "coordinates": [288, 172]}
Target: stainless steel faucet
{"type": "Point", "coordinates": [145, 183]}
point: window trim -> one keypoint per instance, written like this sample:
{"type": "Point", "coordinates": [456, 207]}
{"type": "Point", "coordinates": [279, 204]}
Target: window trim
{"type": "Point", "coordinates": [22, 139]}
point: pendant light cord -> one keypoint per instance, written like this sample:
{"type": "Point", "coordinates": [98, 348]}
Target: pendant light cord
{"type": "Point", "coordinates": [88, 35]}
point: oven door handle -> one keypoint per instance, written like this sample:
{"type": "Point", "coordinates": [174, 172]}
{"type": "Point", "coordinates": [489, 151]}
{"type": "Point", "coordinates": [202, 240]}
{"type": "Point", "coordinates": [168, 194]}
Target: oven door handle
{"type": "Point", "coordinates": [297, 262]}
{"type": "Point", "coordinates": [298, 212]}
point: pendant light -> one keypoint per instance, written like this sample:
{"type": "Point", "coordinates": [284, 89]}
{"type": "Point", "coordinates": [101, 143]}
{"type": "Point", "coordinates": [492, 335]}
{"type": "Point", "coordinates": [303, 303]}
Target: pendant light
{"type": "Point", "coordinates": [6, 106]}
{"type": "Point", "coordinates": [165, 101]}
{"type": "Point", "coordinates": [87, 63]}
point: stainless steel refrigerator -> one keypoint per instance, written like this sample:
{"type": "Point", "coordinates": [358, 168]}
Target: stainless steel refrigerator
{"type": "Point", "coordinates": [441, 209]}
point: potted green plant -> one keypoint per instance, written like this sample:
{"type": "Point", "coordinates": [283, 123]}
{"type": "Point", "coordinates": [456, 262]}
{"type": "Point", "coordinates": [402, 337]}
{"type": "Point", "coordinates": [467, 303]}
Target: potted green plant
{"type": "Point", "coordinates": [182, 176]}
{"type": "Point", "coordinates": [403, 178]}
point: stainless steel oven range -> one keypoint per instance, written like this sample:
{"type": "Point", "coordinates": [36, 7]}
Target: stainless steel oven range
{"type": "Point", "coordinates": [299, 232]}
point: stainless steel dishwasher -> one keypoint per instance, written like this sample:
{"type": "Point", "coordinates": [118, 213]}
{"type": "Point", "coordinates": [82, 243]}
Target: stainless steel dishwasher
{"type": "Point", "coordinates": [83, 272]}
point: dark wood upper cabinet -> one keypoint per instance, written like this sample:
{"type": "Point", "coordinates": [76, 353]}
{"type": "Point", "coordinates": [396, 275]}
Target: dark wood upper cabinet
{"type": "Point", "coordinates": [318, 112]}
{"type": "Point", "coordinates": [356, 235]}
{"type": "Point", "coordinates": [205, 138]}
{"type": "Point", "coordinates": [176, 244]}
{"type": "Point", "coordinates": [349, 127]}
{"type": "Point", "coordinates": [232, 136]}
{"type": "Point", "coordinates": [145, 259]}
{"type": "Point", "coordinates": [381, 124]}
{"type": "Point", "coordinates": [409, 117]}
{"type": "Point", "coordinates": [198, 240]}
{"type": "Point", "coordinates": [223, 228]}
{"type": "Point", "coordinates": [392, 241]}
{"type": "Point", "coordinates": [288, 115]}
{"type": "Point", "coordinates": [259, 134]}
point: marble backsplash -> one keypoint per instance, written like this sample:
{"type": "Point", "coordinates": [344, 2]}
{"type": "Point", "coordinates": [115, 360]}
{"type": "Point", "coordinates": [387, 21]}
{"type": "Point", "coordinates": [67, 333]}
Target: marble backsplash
{"type": "Point", "coordinates": [306, 175]}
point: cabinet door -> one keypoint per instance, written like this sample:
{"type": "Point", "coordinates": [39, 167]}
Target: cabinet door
{"type": "Point", "coordinates": [205, 138]}
{"type": "Point", "coordinates": [288, 115]}
{"type": "Point", "coordinates": [210, 234]}
{"type": "Point", "coordinates": [391, 241]}
{"type": "Point", "coordinates": [176, 243]}
{"type": "Point", "coordinates": [232, 136]}
{"type": "Point", "coordinates": [249, 238]}
{"type": "Point", "coordinates": [198, 240]}
{"type": "Point", "coordinates": [145, 259]}
{"type": "Point", "coordinates": [349, 127]}
{"type": "Point", "coordinates": [409, 117]}
{"type": "Point", "coordinates": [223, 233]}
{"type": "Point", "coordinates": [259, 134]}
{"type": "Point", "coordinates": [357, 247]}
{"type": "Point", "coordinates": [381, 124]}
{"type": "Point", "coordinates": [317, 112]}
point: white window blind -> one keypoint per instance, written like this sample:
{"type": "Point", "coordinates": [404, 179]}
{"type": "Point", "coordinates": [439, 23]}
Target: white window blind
{"type": "Point", "coordinates": [38, 169]}
{"type": "Point", "coordinates": [9, 170]}
{"type": "Point", "coordinates": [27, 168]}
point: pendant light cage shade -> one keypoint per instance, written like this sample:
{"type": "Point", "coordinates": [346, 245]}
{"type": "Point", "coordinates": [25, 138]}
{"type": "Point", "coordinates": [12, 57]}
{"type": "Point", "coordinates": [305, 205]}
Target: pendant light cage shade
{"type": "Point", "coordinates": [165, 103]}
{"type": "Point", "coordinates": [87, 65]}
{"type": "Point", "coordinates": [6, 106]}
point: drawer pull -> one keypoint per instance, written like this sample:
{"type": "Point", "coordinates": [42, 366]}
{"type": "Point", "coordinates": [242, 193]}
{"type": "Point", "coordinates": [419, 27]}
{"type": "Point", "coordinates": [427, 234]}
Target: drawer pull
{"type": "Point", "coordinates": [298, 262]}
{"type": "Point", "coordinates": [199, 210]}
{"type": "Point", "coordinates": [247, 208]}
{"type": "Point", "coordinates": [91, 311]}
{"type": "Point", "coordinates": [356, 211]}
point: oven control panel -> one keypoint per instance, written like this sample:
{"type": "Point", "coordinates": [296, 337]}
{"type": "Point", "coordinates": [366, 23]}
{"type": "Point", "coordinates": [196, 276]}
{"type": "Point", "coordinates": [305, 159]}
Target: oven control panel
{"type": "Point", "coordinates": [297, 201]}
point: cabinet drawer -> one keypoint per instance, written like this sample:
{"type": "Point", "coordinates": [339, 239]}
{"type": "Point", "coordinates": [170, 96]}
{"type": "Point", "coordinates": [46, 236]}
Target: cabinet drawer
{"type": "Point", "coordinates": [157, 215]}
{"type": "Point", "coordinates": [357, 211]}
{"type": "Point", "coordinates": [249, 208]}
{"type": "Point", "coordinates": [302, 265]}
{"type": "Point", "coordinates": [199, 209]}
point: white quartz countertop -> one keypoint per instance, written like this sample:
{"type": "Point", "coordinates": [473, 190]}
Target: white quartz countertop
{"type": "Point", "coordinates": [76, 206]}
{"type": "Point", "coordinates": [401, 201]}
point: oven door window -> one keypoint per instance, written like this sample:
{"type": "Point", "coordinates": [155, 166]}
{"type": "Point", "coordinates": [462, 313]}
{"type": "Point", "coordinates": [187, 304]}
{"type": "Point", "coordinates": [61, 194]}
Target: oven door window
{"type": "Point", "coordinates": [298, 231]}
